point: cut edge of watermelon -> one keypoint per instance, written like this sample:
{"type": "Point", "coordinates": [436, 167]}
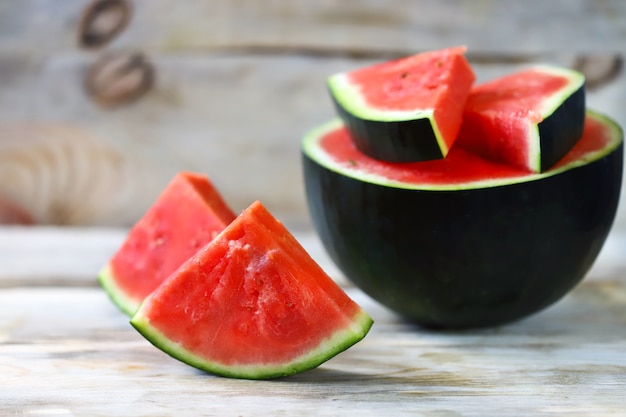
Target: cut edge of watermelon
{"type": "Point", "coordinates": [533, 139]}
{"type": "Point", "coordinates": [350, 97]}
{"type": "Point", "coordinates": [533, 158]}
{"type": "Point", "coordinates": [360, 324]}
{"type": "Point", "coordinates": [575, 81]}
{"type": "Point", "coordinates": [311, 149]}
{"type": "Point", "coordinates": [195, 190]}
{"type": "Point", "coordinates": [127, 305]}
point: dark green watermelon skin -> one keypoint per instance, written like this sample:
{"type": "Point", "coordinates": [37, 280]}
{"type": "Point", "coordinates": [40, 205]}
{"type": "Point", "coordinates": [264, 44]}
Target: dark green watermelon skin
{"type": "Point", "coordinates": [560, 131]}
{"type": "Point", "coordinates": [466, 258]}
{"type": "Point", "coordinates": [394, 141]}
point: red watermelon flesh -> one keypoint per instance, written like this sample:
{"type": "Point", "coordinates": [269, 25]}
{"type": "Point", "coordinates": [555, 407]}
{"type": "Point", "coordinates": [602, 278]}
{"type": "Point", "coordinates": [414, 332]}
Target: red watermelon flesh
{"type": "Point", "coordinates": [432, 84]}
{"type": "Point", "coordinates": [503, 117]}
{"type": "Point", "coordinates": [439, 80]}
{"type": "Point", "coordinates": [252, 304]}
{"type": "Point", "coordinates": [460, 169]}
{"type": "Point", "coordinates": [189, 213]}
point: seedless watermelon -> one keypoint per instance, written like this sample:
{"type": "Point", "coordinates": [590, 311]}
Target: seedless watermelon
{"type": "Point", "coordinates": [189, 213]}
{"type": "Point", "coordinates": [408, 109]}
{"type": "Point", "coordinates": [529, 119]}
{"type": "Point", "coordinates": [251, 304]}
{"type": "Point", "coordinates": [463, 241]}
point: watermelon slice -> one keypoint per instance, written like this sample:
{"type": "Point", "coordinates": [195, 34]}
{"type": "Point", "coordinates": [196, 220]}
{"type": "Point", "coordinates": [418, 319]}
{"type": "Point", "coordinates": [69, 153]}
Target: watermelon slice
{"type": "Point", "coordinates": [251, 304]}
{"type": "Point", "coordinates": [529, 119]}
{"type": "Point", "coordinates": [188, 214]}
{"type": "Point", "coordinates": [405, 110]}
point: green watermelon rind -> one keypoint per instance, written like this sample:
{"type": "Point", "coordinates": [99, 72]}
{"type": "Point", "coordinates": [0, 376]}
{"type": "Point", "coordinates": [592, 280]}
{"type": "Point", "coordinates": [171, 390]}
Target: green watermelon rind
{"type": "Point", "coordinates": [311, 149]}
{"type": "Point", "coordinates": [575, 88]}
{"type": "Point", "coordinates": [564, 112]}
{"type": "Point", "coordinates": [576, 80]}
{"type": "Point", "coordinates": [338, 342]}
{"type": "Point", "coordinates": [348, 98]}
{"type": "Point", "coordinates": [106, 279]}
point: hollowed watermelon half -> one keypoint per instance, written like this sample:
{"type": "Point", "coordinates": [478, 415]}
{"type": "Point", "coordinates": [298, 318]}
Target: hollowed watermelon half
{"type": "Point", "coordinates": [189, 213]}
{"type": "Point", "coordinates": [463, 241]}
{"type": "Point", "coordinates": [408, 109]}
{"type": "Point", "coordinates": [529, 119]}
{"type": "Point", "coordinates": [252, 304]}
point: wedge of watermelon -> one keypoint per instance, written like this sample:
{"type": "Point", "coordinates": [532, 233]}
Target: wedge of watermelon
{"type": "Point", "coordinates": [405, 110]}
{"type": "Point", "coordinates": [189, 213]}
{"type": "Point", "coordinates": [251, 304]}
{"type": "Point", "coordinates": [529, 119]}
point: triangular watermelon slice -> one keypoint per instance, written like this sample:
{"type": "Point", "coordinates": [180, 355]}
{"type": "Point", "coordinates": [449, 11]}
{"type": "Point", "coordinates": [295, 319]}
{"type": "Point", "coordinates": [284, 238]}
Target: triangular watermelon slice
{"type": "Point", "coordinates": [188, 214]}
{"type": "Point", "coordinates": [252, 304]}
{"type": "Point", "coordinates": [529, 119]}
{"type": "Point", "coordinates": [406, 110]}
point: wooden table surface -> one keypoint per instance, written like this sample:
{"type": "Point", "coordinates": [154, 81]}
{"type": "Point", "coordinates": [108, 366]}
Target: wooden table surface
{"type": "Point", "coordinates": [65, 350]}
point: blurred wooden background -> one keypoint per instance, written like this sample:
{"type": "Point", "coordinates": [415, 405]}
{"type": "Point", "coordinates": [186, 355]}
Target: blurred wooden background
{"type": "Point", "coordinates": [237, 83]}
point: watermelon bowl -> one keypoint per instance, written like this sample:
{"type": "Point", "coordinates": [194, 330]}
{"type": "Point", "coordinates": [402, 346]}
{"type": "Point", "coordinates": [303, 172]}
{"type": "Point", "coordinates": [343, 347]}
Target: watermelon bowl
{"type": "Point", "coordinates": [462, 242]}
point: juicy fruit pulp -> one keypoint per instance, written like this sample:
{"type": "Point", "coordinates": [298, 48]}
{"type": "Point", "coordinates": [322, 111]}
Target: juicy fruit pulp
{"type": "Point", "coordinates": [529, 119]}
{"type": "Point", "coordinates": [405, 110]}
{"type": "Point", "coordinates": [252, 304]}
{"type": "Point", "coordinates": [188, 214]}
{"type": "Point", "coordinates": [331, 145]}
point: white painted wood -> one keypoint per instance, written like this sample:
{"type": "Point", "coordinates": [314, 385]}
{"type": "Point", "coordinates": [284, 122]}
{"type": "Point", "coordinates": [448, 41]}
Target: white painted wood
{"type": "Point", "coordinates": [238, 83]}
{"type": "Point", "coordinates": [495, 27]}
{"type": "Point", "coordinates": [65, 350]}
{"type": "Point", "coordinates": [237, 118]}
{"type": "Point", "coordinates": [72, 256]}
{"type": "Point", "coordinates": [69, 352]}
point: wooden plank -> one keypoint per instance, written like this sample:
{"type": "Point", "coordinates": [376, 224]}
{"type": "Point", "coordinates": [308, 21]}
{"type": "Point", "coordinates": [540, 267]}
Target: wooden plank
{"type": "Point", "coordinates": [73, 256]}
{"type": "Point", "coordinates": [55, 256]}
{"type": "Point", "coordinates": [237, 118]}
{"type": "Point", "coordinates": [69, 352]}
{"type": "Point", "coordinates": [490, 27]}
{"type": "Point", "coordinates": [238, 83]}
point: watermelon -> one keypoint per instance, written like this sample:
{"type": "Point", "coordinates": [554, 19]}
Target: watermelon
{"type": "Point", "coordinates": [463, 241]}
{"type": "Point", "coordinates": [251, 304]}
{"type": "Point", "coordinates": [408, 109]}
{"type": "Point", "coordinates": [542, 107]}
{"type": "Point", "coordinates": [189, 213]}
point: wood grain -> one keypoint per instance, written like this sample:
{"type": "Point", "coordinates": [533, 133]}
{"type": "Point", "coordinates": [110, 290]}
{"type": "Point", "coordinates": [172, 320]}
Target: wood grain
{"type": "Point", "coordinates": [69, 351]}
{"type": "Point", "coordinates": [239, 82]}
{"type": "Point", "coordinates": [61, 174]}
{"type": "Point", "coordinates": [61, 256]}
{"type": "Point", "coordinates": [500, 28]}
{"type": "Point", "coordinates": [237, 118]}
{"type": "Point", "coordinates": [66, 350]}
